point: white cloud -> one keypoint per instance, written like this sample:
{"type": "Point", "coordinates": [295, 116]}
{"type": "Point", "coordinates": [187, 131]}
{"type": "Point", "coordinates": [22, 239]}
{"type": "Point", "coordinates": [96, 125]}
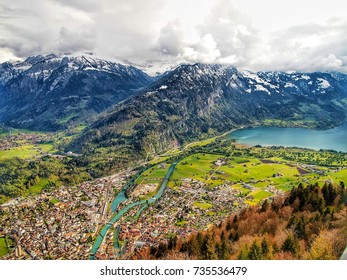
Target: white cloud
{"type": "Point", "coordinates": [259, 35]}
{"type": "Point", "coordinates": [204, 51]}
{"type": "Point", "coordinates": [330, 61]}
{"type": "Point", "coordinates": [307, 47]}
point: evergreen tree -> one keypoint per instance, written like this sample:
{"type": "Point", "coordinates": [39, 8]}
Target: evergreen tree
{"type": "Point", "coordinates": [243, 253]}
{"type": "Point", "coordinates": [290, 245]}
{"type": "Point", "coordinates": [264, 248]}
{"type": "Point", "coordinates": [194, 247]}
{"type": "Point", "coordinates": [224, 255]}
{"type": "Point", "coordinates": [300, 229]}
{"type": "Point", "coordinates": [255, 252]}
{"type": "Point", "coordinates": [208, 248]}
{"type": "Point", "coordinates": [172, 242]}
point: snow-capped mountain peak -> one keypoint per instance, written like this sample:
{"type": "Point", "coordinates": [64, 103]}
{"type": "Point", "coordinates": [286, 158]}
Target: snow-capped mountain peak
{"type": "Point", "coordinates": [57, 88]}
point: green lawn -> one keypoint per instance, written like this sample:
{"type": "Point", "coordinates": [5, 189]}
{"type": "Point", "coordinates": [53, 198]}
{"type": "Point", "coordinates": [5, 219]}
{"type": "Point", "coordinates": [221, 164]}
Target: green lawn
{"type": "Point", "coordinates": [197, 166]}
{"type": "Point", "coordinates": [203, 205]}
{"type": "Point", "coordinates": [25, 151]}
{"type": "Point", "coordinates": [181, 223]}
{"type": "Point", "coordinates": [261, 185]}
{"type": "Point", "coordinates": [53, 200]}
{"type": "Point", "coordinates": [153, 175]}
{"type": "Point", "coordinates": [37, 189]}
{"type": "Point", "coordinates": [255, 171]}
{"type": "Point", "coordinates": [240, 160]}
{"type": "Point", "coordinates": [158, 159]}
{"type": "Point", "coordinates": [3, 247]}
{"type": "Point", "coordinates": [174, 151]}
{"type": "Point", "coordinates": [237, 169]}
{"type": "Point", "coordinates": [201, 143]}
{"type": "Point", "coordinates": [260, 195]}
{"type": "Point", "coordinates": [241, 188]}
{"type": "Point", "coordinates": [339, 176]}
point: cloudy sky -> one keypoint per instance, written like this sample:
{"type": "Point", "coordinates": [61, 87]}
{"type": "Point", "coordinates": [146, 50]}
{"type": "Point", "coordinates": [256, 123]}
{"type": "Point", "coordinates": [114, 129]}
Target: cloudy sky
{"type": "Point", "coordinates": [292, 35]}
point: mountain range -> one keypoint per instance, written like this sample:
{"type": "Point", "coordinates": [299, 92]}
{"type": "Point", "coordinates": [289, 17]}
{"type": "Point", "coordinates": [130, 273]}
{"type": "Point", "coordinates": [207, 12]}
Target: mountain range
{"type": "Point", "coordinates": [197, 101]}
{"type": "Point", "coordinates": [122, 105]}
{"type": "Point", "coordinates": [54, 91]}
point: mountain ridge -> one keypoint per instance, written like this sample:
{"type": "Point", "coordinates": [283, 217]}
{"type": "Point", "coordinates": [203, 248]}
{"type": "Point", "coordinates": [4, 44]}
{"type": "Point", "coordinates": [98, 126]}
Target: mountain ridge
{"type": "Point", "coordinates": [196, 101]}
{"type": "Point", "coordinates": [48, 92]}
{"type": "Point", "coordinates": [124, 107]}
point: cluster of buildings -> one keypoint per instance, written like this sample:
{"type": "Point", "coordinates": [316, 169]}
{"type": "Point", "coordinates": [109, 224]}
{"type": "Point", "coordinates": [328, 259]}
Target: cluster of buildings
{"type": "Point", "coordinates": [274, 190]}
{"type": "Point", "coordinates": [20, 139]}
{"type": "Point", "coordinates": [64, 224]}
{"type": "Point", "coordinates": [174, 214]}
{"type": "Point", "coordinates": [61, 224]}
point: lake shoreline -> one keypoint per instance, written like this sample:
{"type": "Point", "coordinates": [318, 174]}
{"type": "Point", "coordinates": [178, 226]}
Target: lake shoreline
{"type": "Point", "coordinates": [332, 139]}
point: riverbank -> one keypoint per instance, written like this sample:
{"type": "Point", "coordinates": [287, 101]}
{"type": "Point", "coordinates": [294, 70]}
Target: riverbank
{"type": "Point", "coordinates": [119, 214]}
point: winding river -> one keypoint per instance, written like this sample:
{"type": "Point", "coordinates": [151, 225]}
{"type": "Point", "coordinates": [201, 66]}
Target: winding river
{"type": "Point", "coordinates": [121, 198]}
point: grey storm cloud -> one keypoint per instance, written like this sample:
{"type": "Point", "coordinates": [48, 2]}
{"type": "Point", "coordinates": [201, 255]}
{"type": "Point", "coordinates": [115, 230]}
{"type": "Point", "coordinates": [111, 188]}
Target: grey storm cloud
{"type": "Point", "coordinates": [164, 30]}
{"type": "Point", "coordinates": [170, 41]}
{"type": "Point", "coordinates": [72, 41]}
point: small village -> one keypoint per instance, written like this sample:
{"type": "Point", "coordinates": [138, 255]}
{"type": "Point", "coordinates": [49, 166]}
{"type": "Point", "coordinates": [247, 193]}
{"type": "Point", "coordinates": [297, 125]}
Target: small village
{"type": "Point", "coordinates": [17, 140]}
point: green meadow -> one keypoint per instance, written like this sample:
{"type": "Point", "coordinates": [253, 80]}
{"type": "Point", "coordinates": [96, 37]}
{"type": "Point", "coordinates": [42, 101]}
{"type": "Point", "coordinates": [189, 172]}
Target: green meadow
{"type": "Point", "coordinates": [153, 175]}
{"type": "Point", "coordinates": [27, 151]}
{"type": "Point", "coordinates": [277, 171]}
{"type": "Point", "coordinates": [197, 166]}
{"type": "Point", "coordinates": [37, 188]}
{"type": "Point", "coordinates": [3, 247]}
{"type": "Point", "coordinates": [203, 205]}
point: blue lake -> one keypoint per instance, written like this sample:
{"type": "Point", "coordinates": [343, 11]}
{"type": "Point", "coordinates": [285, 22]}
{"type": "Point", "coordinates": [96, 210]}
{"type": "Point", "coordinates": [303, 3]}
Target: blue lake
{"type": "Point", "coordinates": [331, 139]}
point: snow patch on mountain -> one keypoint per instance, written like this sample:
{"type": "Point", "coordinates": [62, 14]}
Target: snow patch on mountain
{"type": "Point", "coordinates": [323, 83]}
{"type": "Point", "coordinates": [156, 68]}
{"type": "Point", "coordinates": [261, 88]}
{"type": "Point", "coordinates": [288, 85]}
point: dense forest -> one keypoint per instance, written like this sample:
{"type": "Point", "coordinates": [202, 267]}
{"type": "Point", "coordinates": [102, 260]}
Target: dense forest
{"type": "Point", "coordinates": [308, 223]}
